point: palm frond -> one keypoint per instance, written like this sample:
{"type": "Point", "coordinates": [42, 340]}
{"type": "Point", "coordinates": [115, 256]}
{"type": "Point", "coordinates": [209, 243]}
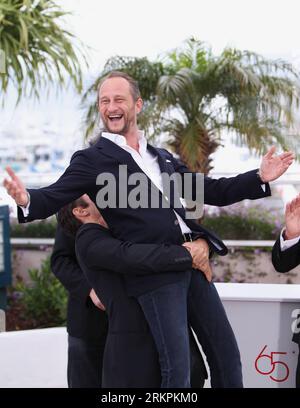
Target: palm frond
{"type": "Point", "coordinates": [39, 51]}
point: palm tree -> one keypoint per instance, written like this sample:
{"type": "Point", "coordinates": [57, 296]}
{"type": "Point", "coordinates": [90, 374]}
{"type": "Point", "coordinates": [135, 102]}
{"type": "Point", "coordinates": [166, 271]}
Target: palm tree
{"type": "Point", "coordinates": [238, 91]}
{"type": "Point", "coordinates": [194, 96]}
{"type": "Point", "coordinates": [38, 50]}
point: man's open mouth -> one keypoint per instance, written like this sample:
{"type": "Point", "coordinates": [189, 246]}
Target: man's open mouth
{"type": "Point", "coordinates": [115, 118]}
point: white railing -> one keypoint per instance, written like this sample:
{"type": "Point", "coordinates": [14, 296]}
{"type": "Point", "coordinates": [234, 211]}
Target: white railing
{"type": "Point", "coordinates": [17, 242]}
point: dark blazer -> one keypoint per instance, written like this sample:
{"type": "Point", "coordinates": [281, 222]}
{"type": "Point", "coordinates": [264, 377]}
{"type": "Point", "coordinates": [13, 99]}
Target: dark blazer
{"type": "Point", "coordinates": [284, 261]}
{"type": "Point", "coordinates": [139, 225]}
{"type": "Point", "coordinates": [130, 358]}
{"type": "Point", "coordinates": [84, 319]}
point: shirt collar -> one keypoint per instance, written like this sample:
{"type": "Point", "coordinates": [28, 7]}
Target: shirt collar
{"type": "Point", "coordinates": [120, 140]}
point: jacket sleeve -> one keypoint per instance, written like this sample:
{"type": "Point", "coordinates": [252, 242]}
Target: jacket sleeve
{"type": "Point", "coordinates": [65, 267]}
{"type": "Point", "coordinates": [98, 249]}
{"type": "Point", "coordinates": [78, 178]}
{"type": "Point", "coordinates": [284, 261]}
{"type": "Point", "coordinates": [225, 190]}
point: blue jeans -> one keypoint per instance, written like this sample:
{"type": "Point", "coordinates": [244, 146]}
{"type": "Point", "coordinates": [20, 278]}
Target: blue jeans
{"type": "Point", "coordinates": [208, 319]}
{"type": "Point", "coordinates": [84, 363]}
{"type": "Point", "coordinates": [194, 301]}
{"type": "Point", "coordinates": [165, 310]}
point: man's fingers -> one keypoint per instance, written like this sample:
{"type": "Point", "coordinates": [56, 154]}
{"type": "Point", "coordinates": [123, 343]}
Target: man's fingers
{"type": "Point", "coordinates": [270, 153]}
{"type": "Point", "coordinates": [205, 268]}
{"type": "Point", "coordinates": [207, 272]}
{"type": "Point", "coordinates": [101, 306]}
{"type": "Point", "coordinates": [286, 155]}
{"type": "Point", "coordinates": [186, 245]}
{"type": "Point", "coordinates": [7, 184]}
{"type": "Point", "coordinates": [286, 163]}
{"type": "Point", "coordinates": [293, 205]}
{"type": "Point", "coordinates": [11, 188]}
{"type": "Point", "coordinates": [296, 206]}
{"type": "Point", "coordinates": [12, 174]}
{"type": "Point", "coordinates": [287, 159]}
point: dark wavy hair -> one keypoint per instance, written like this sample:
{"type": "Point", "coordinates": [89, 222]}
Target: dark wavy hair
{"type": "Point", "coordinates": [67, 219]}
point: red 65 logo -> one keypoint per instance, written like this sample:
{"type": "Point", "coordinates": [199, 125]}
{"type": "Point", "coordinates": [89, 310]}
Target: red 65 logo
{"type": "Point", "coordinates": [265, 364]}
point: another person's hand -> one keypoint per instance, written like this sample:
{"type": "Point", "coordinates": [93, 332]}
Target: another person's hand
{"type": "Point", "coordinates": [273, 166]}
{"type": "Point", "coordinates": [97, 302]}
{"type": "Point", "coordinates": [292, 219]}
{"type": "Point", "coordinates": [15, 188]}
{"type": "Point", "coordinates": [199, 251]}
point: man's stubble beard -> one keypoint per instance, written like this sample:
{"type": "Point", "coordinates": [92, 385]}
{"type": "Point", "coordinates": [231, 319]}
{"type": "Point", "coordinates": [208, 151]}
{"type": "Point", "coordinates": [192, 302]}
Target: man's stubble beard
{"type": "Point", "coordinates": [122, 132]}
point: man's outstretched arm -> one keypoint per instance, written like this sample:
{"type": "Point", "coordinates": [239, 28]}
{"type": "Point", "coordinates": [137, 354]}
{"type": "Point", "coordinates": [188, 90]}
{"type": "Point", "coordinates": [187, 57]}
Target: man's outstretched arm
{"type": "Point", "coordinates": [250, 185]}
{"type": "Point", "coordinates": [78, 179]}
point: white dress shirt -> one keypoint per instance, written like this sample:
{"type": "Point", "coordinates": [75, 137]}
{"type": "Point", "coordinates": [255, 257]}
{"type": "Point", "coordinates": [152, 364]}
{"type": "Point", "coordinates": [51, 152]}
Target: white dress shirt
{"type": "Point", "coordinates": [287, 243]}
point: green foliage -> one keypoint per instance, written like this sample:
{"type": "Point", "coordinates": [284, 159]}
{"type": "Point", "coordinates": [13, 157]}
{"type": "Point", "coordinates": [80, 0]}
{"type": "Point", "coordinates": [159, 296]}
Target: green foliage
{"type": "Point", "coordinates": [240, 223]}
{"type": "Point", "coordinates": [234, 222]}
{"type": "Point", "coordinates": [36, 229]}
{"type": "Point", "coordinates": [45, 299]}
{"type": "Point", "coordinates": [39, 52]}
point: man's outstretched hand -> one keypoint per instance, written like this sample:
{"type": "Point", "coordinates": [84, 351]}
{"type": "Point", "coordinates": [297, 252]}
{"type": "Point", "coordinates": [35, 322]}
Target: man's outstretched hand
{"type": "Point", "coordinates": [273, 166]}
{"type": "Point", "coordinates": [199, 251]}
{"type": "Point", "coordinates": [292, 219]}
{"type": "Point", "coordinates": [15, 188]}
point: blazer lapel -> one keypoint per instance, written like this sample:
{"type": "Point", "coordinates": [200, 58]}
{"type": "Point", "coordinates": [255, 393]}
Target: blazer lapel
{"type": "Point", "coordinates": [111, 149]}
{"type": "Point", "coordinates": [162, 162]}
{"type": "Point", "coordinates": [114, 151]}
{"type": "Point", "coordinates": [167, 167]}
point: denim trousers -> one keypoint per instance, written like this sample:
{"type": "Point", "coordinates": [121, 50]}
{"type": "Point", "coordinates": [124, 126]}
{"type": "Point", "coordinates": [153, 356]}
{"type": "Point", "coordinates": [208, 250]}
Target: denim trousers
{"type": "Point", "coordinates": [192, 301]}
{"type": "Point", "coordinates": [165, 310]}
{"type": "Point", "coordinates": [208, 319]}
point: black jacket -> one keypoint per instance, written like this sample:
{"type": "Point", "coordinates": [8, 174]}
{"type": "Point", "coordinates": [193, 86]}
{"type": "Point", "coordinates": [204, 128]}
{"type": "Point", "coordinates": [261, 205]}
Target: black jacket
{"type": "Point", "coordinates": [284, 261]}
{"type": "Point", "coordinates": [139, 225]}
{"type": "Point", "coordinates": [84, 319]}
{"type": "Point", "coordinates": [130, 358]}
{"type": "Point", "coordinates": [130, 355]}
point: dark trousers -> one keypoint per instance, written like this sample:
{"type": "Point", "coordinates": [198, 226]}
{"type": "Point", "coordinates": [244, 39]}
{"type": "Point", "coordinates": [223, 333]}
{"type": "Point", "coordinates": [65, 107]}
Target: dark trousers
{"type": "Point", "coordinates": [131, 358]}
{"type": "Point", "coordinates": [166, 313]}
{"type": "Point", "coordinates": [208, 319]}
{"type": "Point", "coordinates": [84, 363]}
{"type": "Point", "coordinates": [165, 310]}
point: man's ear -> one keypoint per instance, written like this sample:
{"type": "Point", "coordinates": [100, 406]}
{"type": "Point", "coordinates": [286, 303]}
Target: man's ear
{"type": "Point", "coordinates": [76, 212]}
{"type": "Point", "coordinates": [139, 105]}
{"type": "Point", "coordinates": [79, 212]}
